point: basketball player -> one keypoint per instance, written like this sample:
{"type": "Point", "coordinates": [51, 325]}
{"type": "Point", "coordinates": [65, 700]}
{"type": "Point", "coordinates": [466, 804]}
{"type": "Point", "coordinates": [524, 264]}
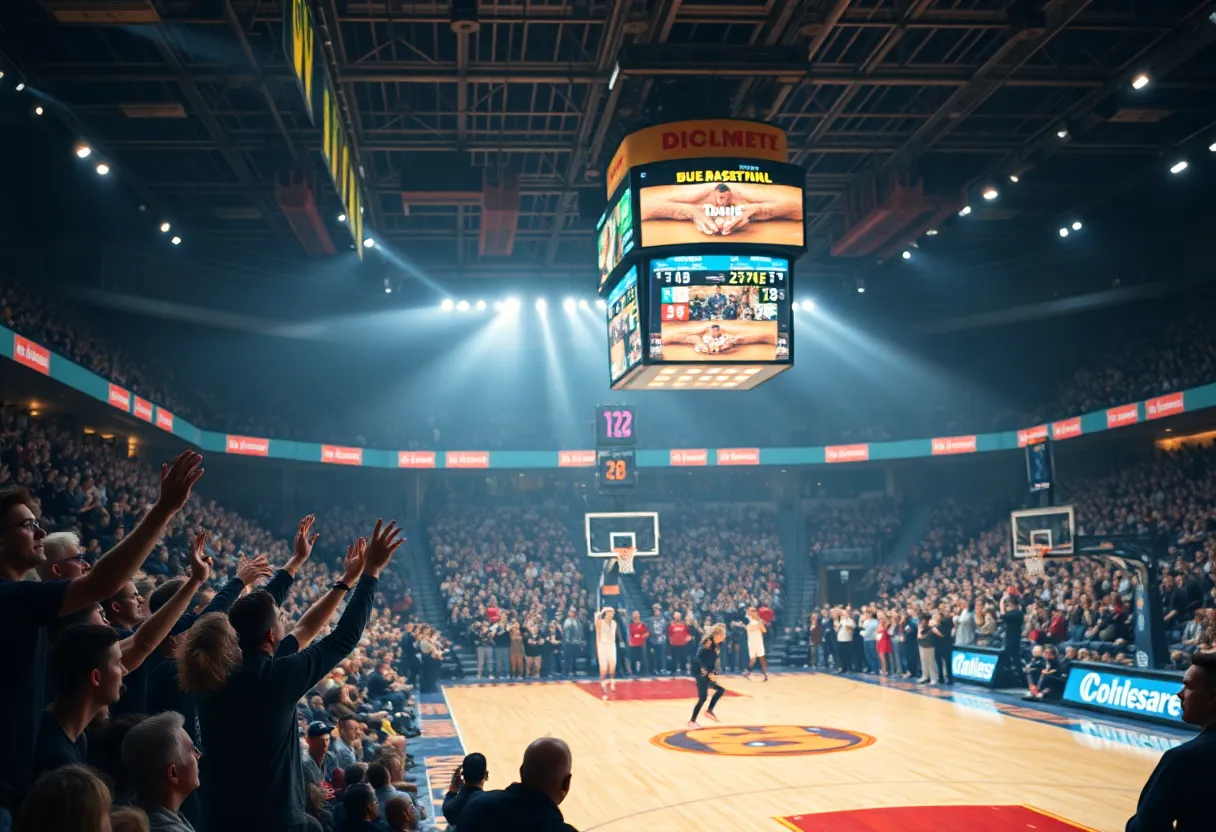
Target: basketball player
{"type": "Point", "coordinates": [707, 660]}
{"type": "Point", "coordinates": [755, 643]}
{"type": "Point", "coordinates": [605, 648]}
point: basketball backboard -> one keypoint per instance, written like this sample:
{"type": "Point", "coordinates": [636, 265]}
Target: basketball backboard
{"type": "Point", "coordinates": [609, 531]}
{"type": "Point", "coordinates": [1037, 529]}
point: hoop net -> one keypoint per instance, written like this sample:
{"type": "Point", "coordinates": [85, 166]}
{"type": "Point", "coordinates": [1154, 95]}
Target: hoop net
{"type": "Point", "coordinates": [624, 559]}
{"type": "Point", "coordinates": [1036, 565]}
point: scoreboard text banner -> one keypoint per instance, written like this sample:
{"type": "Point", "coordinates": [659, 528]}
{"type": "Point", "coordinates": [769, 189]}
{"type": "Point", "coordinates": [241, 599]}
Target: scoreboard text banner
{"type": "Point", "coordinates": [946, 445]}
{"type": "Point", "coordinates": [466, 459]}
{"type": "Point", "coordinates": [697, 140]}
{"type": "Point", "coordinates": [340, 162]}
{"type": "Point", "coordinates": [415, 459]}
{"type": "Point", "coordinates": [247, 445]}
{"type": "Point", "coordinates": [337, 455]}
{"type": "Point", "coordinates": [846, 453]}
{"type": "Point", "coordinates": [34, 356]}
{"type": "Point", "coordinates": [119, 397]}
{"type": "Point", "coordinates": [299, 44]}
{"type": "Point", "coordinates": [575, 459]}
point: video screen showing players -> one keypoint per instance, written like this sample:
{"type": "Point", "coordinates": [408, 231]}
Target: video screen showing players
{"type": "Point", "coordinates": [624, 330]}
{"type": "Point", "coordinates": [614, 234]}
{"type": "Point", "coordinates": [719, 308]}
{"type": "Point", "coordinates": [721, 201]}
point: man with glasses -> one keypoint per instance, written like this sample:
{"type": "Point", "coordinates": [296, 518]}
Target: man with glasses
{"type": "Point", "coordinates": [28, 608]}
{"type": "Point", "coordinates": [64, 558]}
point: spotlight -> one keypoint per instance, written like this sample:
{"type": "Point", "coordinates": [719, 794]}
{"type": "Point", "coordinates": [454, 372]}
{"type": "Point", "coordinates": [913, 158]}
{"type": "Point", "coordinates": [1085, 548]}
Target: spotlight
{"type": "Point", "coordinates": [481, 306]}
{"type": "Point", "coordinates": [1076, 226]}
{"type": "Point", "coordinates": [447, 305]}
{"type": "Point", "coordinates": [601, 304]}
{"type": "Point", "coordinates": [907, 255]}
{"type": "Point", "coordinates": [991, 193]}
{"type": "Point", "coordinates": [582, 304]}
{"type": "Point", "coordinates": [388, 287]}
{"type": "Point", "coordinates": [497, 306]}
{"type": "Point", "coordinates": [369, 243]}
{"type": "Point", "coordinates": [38, 110]}
{"type": "Point", "coordinates": [932, 232]}
{"type": "Point", "coordinates": [861, 290]}
{"type": "Point", "coordinates": [1212, 147]}
{"type": "Point", "coordinates": [1063, 232]}
{"type": "Point", "coordinates": [102, 168]}
{"type": "Point", "coordinates": [1, 73]}
{"type": "Point", "coordinates": [966, 210]}
{"type": "Point", "coordinates": [341, 217]}
{"type": "Point", "coordinates": [861, 285]}
{"type": "Point", "coordinates": [541, 305]}
{"type": "Point", "coordinates": [808, 306]}
{"type": "Point", "coordinates": [568, 304]}
{"type": "Point", "coordinates": [463, 306]}
{"type": "Point", "coordinates": [1179, 167]}
{"type": "Point", "coordinates": [1013, 177]}
{"type": "Point", "coordinates": [177, 241]}
{"type": "Point", "coordinates": [20, 86]}
{"type": "Point", "coordinates": [1062, 133]}
{"type": "Point", "coordinates": [512, 305]}
{"type": "Point", "coordinates": [164, 228]}
{"type": "Point", "coordinates": [83, 151]}
{"type": "Point", "coordinates": [1140, 81]}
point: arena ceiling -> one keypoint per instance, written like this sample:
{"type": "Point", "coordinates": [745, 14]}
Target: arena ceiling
{"type": "Point", "coordinates": [198, 110]}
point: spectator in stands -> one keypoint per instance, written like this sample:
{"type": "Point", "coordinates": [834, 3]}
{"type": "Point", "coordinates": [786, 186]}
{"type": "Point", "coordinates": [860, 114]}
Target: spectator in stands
{"type": "Point", "coordinates": [361, 812]}
{"type": "Point", "coordinates": [348, 744]}
{"type": "Point", "coordinates": [468, 783]}
{"type": "Point", "coordinates": [320, 761]}
{"type": "Point", "coordinates": [1178, 794]}
{"type": "Point", "coordinates": [163, 763]}
{"type": "Point", "coordinates": [531, 805]}
{"type": "Point", "coordinates": [27, 608]}
{"type": "Point", "coordinates": [378, 779]}
{"type": "Point", "coordinates": [129, 819]}
{"type": "Point", "coordinates": [401, 815]}
{"type": "Point", "coordinates": [68, 799]}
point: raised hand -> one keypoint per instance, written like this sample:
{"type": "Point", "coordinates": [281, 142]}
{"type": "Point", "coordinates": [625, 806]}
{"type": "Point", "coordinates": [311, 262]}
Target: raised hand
{"type": "Point", "coordinates": [385, 540]}
{"type": "Point", "coordinates": [352, 568]}
{"type": "Point", "coordinates": [249, 572]}
{"type": "Point", "coordinates": [177, 479]}
{"type": "Point", "coordinates": [200, 561]}
{"type": "Point", "coordinates": [305, 539]}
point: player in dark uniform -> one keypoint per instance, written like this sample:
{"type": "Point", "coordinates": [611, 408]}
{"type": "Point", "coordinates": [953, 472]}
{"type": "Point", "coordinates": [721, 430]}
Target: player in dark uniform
{"type": "Point", "coordinates": [707, 660]}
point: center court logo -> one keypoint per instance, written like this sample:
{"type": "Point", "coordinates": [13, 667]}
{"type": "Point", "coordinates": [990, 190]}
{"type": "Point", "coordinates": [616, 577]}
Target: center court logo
{"type": "Point", "coordinates": [762, 740]}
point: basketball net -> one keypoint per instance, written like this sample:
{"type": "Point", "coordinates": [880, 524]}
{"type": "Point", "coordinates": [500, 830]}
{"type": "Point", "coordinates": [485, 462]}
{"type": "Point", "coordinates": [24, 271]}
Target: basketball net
{"type": "Point", "coordinates": [624, 559]}
{"type": "Point", "coordinates": [1036, 562]}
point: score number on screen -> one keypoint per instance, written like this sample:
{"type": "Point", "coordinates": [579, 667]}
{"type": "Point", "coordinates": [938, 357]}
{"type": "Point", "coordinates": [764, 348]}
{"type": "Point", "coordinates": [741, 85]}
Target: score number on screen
{"type": "Point", "coordinates": [614, 425]}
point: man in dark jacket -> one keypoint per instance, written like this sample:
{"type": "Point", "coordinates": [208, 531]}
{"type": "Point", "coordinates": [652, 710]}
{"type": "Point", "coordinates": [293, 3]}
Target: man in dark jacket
{"type": "Point", "coordinates": [1178, 794]}
{"type": "Point", "coordinates": [468, 783]}
{"type": "Point", "coordinates": [531, 804]}
{"type": "Point", "coordinates": [248, 714]}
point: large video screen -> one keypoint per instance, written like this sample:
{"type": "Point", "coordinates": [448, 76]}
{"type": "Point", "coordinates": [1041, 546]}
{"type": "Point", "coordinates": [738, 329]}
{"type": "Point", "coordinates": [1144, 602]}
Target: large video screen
{"type": "Point", "coordinates": [624, 327]}
{"type": "Point", "coordinates": [719, 307]}
{"type": "Point", "coordinates": [614, 234]}
{"type": "Point", "coordinates": [721, 201]}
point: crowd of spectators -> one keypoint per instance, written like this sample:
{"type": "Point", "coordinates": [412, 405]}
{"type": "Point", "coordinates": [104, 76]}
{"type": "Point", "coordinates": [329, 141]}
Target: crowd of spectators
{"type": "Point", "coordinates": [141, 729]}
{"type": "Point", "coordinates": [871, 524]}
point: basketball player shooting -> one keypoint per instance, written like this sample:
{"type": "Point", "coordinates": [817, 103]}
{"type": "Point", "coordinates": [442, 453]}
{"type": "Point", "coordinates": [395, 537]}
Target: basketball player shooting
{"type": "Point", "coordinates": [755, 643]}
{"type": "Point", "coordinates": [605, 649]}
{"type": "Point", "coordinates": [707, 660]}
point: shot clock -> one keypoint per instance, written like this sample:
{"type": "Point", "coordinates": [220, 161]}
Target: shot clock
{"type": "Point", "coordinates": [615, 459]}
{"type": "Point", "coordinates": [617, 470]}
{"type": "Point", "coordinates": [614, 425]}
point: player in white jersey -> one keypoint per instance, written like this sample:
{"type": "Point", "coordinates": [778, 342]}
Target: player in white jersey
{"type": "Point", "coordinates": [605, 648]}
{"type": "Point", "coordinates": [755, 643]}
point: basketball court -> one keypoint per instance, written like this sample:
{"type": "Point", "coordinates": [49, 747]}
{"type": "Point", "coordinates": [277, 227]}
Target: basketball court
{"type": "Point", "coordinates": [815, 752]}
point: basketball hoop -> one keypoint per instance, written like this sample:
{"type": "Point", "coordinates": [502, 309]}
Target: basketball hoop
{"type": "Point", "coordinates": [1036, 566]}
{"type": "Point", "coordinates": [624, 559]}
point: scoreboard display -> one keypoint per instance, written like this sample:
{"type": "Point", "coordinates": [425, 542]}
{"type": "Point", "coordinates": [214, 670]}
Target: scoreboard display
{"type": "Point", "coordinates": [719, 308]}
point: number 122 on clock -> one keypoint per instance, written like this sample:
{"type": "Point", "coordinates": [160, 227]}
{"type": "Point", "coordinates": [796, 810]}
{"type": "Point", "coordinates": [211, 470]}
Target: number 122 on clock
{"type": "Point", "coordinates": [614, 425]}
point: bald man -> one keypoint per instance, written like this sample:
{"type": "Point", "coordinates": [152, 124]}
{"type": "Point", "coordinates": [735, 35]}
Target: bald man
{"type": "Point", "coordinates": [531, 804]}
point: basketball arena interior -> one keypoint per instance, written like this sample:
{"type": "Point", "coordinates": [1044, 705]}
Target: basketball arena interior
{"type": "Point", "coordinates": [607, 415]}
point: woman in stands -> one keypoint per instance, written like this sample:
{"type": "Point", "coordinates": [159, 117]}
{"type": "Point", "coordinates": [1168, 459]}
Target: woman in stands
{"type": "Point", "coordinates": [605, 648]}
{"type": "Point", "coordinates": [706, 661]}
{"type": "Point", "coordinates": [755, 644]}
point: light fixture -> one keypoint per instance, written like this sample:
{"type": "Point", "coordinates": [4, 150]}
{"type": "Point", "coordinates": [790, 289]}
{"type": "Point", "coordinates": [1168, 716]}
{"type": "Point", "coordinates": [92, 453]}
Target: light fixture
{"type": "Point", "coordinates": [1140, 81]}
{"type": "Point", "coordinates": [1063, 232]}
{"type": "Point", "coordinates": [83, 151]}
{"type": "Point", "coordinates": [481, 306]}
{"type": "Point", "coordinates": [861, 290]}
{"type": "Point", "coordinates": [369, 243]}
{"type": "Point", "coordinates": [462, 306]}
{"type": "Point", "coordinates": [1179, 167]}
{"type": "Point", "coordinates": [907, 255]}
{"type": "Point", "coordinates": [1013, 177]}
{"type": "Point", "coordinates": [38, 110]}
{"type": "Point", "coordinates": [20, 86]}
{"type": "Point", "coordinates": [341, 217]}
{"type": "Point", "coordinates": [808, 306]}
{"type": "Point", "coordinates": [932, 232]}
{"type": "Point", "coordinates": [991, 193]}
{"type": "Point", "coordinates": [601, 304]}
{"type": "Point", "coordinates": [512, 305]}
{"type": "Point", "coordinates": [1, 73]}
{"type": "Point", "coordinates": [447, 305]}
{"type": "Point", "coordinates": [861, 285]}
{"type": "Point", "coordinates": [102, 169]}
{"type": "Point", "coordinates": [541, 305]}
{"type": "Point", "coordinates": [1212, 147]}
{"type": "Point", "coordinates": [164, 228]}
{"type": "Point", "coordinates": [582, 304]}
{"type": "Point", "coordinates": [1062, 133]}
{"type": "Point", "coordinates": [177, 241]}
{"type": "Point", "coordinates": [966, 210]}
{"type": "Point", "coordinates": [388, 287]}
{"type": "Point", "coordinates": [1076, 226]}
{"type": "Point", "coordinates": [568, 304]}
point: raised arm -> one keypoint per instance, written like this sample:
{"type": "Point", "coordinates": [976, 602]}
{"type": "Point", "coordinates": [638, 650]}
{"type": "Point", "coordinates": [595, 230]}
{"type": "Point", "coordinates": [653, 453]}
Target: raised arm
{"type": "Point", "coordinates": [120, 564]}
{"type": "Point", "coordinates": [248, 573]}
{"type": "Point", "coordinates": [154, 630]}
{"type": "Point", "coordinates": [323, 609]}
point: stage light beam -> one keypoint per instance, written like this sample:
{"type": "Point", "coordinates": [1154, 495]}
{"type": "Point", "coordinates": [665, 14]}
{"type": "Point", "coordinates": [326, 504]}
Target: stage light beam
{"type": "Point", "coordinates": [1140, 81]}
{"type": "Point", "coordinates": [907, 255]}
{"type": "Point", "coordinates": [369, 243]}
{"type": "Point", "coordinates": [569, 305]}
{"type": "Point", "coordinates": [463, 306]}
{"type": "Point", "coordinates": [1179, 167]}
{"type": "Point", "coordinates": [102, 169]}
{"type": "Point", "coordinates": [512, 305]}
{"type": "Point", "coordinates": [1076, 226]}
{"type": "Point", "coordinates": [83, 151]}
{"type": "Point", "coordinates": [447, 305]}
{"type": "Point", "coordinates": [481, 306]}
{"type": "Point", "coordinates": [601, 304]}
{"type": "Point", "coordinates": [177, 241]}
{"type": "Point", "coordinates": [966, 210]}
{"type": "Point", "coordinates": [991, 193]}
{"type": "Point", "coordinates": [541, 306]}
{"type": "Point", "coordinates": [164, 228]}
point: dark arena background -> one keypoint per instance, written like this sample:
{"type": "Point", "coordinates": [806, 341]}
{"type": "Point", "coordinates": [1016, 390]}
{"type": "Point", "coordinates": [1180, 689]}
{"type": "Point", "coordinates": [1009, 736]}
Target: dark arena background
{"type": "Point", "coordinates": [878, 332]}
